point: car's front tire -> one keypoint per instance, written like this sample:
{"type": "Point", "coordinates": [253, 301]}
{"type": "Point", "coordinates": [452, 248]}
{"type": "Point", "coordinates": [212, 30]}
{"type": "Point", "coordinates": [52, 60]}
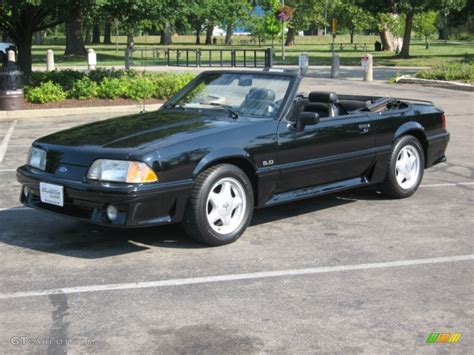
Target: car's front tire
{"type": "Point", "coordinates": [220, 206]}
{"type": "Point", "coordinates": [405, 169]}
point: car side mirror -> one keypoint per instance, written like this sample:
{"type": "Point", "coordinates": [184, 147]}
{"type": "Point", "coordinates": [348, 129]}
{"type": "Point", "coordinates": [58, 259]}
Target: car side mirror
{"type": "Point", "coordinates": [306, 119]}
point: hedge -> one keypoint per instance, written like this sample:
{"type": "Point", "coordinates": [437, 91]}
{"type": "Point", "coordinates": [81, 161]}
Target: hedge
{"type": "Point", "coordinates": [104, 84]}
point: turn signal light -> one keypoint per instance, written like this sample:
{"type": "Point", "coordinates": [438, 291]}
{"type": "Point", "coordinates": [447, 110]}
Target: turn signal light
{"type": "Point", "coordinates": [140, 172]}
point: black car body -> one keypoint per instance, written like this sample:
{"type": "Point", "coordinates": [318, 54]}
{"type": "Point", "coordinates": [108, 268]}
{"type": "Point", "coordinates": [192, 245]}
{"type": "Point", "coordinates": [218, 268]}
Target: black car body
{"type": "Point", "coordinates": [316, 143]}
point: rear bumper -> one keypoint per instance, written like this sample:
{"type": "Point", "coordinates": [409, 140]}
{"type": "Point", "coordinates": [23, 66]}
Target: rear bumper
{"type": "Point", "coordinates": [436, 149]}
{"type": "Point", "coordinates": [137, 205]}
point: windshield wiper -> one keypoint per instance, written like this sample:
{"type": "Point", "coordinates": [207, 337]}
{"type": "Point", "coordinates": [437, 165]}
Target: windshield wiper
{"type": "Point", "coordinates": [168, 106]}
{"type": "Point", "coordinates": [228, 108]}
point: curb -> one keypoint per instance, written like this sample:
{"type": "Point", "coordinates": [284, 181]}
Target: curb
{"type": "Point", "coordinates": [62, 112]}
{"type": "Point", "coordinates": [452, 85]}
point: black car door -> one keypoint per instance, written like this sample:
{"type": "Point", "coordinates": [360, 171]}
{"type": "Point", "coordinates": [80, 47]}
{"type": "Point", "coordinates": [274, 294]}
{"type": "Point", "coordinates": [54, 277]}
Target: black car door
{"type": "Point", "coordinates": [335, 149]}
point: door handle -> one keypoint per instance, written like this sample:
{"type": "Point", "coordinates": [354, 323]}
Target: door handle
{"type": "Point", "coordinates": [364, 128]}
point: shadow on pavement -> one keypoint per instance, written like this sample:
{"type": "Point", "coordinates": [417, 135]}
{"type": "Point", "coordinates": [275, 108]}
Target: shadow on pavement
{"type": "Point", "coordinates": [48, 233]}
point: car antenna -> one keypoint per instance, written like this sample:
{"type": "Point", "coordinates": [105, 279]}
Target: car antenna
{"type": "Point", "coordinates": [144, 71]}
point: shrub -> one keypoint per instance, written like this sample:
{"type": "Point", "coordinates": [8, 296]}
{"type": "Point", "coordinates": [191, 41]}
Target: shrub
{"type": "Point", "coordinates": [99, 74]}
{"type": "Point", "coordinates": [112, 88]}
{"type": "Point", "coordinates": [140, 88]}
{"type": "Point", "coordinates": [64, 78]}
{"type": "Point", "coordinates": [449, 71]}
{"type": "Point", "coordinates": [166, 85]}
{"type": "Point", "coordinates": [84, 89]}
{"type": "Point", "coordinates": [46, 92]}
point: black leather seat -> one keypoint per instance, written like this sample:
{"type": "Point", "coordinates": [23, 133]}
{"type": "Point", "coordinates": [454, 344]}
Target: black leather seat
{"type": "Point", "coordinates": [323, 103]}
{"type": "Point", "coordinates": [258, 102]}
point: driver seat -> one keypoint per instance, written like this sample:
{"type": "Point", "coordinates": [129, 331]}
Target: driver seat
{"type": "Point", "coordinates": [323, 103]}
{"type": "Point", "coordinates": [258, 102]}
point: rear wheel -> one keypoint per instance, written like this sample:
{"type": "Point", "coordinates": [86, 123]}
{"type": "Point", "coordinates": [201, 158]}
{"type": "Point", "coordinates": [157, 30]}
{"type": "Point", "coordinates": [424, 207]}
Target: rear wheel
{"type": "Point", "coordinates": [405, 170]}
{"type": "Point", "coordinates": [220, 206]}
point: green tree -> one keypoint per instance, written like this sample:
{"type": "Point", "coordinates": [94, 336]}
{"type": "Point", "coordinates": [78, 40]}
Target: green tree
{"type": "Point", "coordinates": [306, 12]}
{"type": "Point", "coordinates": [446, 7]}
{"type": "Point", "coordinates": [353, 17]}
{"type": "Point", "coordinates": [425, 24]}
{"type": "Point", "coordinates": [20, 19]}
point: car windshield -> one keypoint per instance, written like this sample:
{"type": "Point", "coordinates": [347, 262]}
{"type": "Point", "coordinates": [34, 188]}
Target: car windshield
{"type": "Point", "coordinates": [237, 94]}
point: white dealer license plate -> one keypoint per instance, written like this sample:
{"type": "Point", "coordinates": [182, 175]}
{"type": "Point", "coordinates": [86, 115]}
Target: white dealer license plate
{"type": "Point", "coordinates": [52, 194]}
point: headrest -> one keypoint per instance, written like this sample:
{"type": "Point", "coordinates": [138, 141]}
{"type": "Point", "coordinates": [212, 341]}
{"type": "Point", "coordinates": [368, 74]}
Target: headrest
{"type": "Point", "coordinates": [323, 96]}
{"type": "Point", "coordinates": [261, 94]}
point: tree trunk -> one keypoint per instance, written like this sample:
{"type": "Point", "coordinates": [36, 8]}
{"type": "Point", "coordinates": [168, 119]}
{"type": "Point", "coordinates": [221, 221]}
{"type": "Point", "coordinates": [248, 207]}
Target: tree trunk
{"type": "Point", "coordinates": [198, 35]}
{"type": "Point", "coordinates": [352, 31]}
{"type": "Point", "coordinates": [96, 34]}
{"type": "Point", "coordinates": [385, 39]}
{"type": "Point", "coordinates": [405, 52]}
{"type": "Point", "coordinates": [228, 34]}
{"type": "Point", "coordinates": [130, 40]}
{"type": "Point", "coordinates": [209, 31]}
{"type": "Point", "coordinates": [445, 27]}
{"type": "Point", "coordinates": [39, 37]}
{"type": "Point", "coordinates": [23, 46]}
{"type": "Point", "coordinates": [290, 37]}
{"type": "Point", "coordinates": [166, 35]}
{"type": "Point", "coordinates": [88, 35]}
{"type": "Point", "coordinates": [74, 42]}
{"type": "Point", "coordinates": [108, 32]}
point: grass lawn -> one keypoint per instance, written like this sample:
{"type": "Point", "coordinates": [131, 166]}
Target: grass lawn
{"type": "Point", "coordinates": [318, 49]}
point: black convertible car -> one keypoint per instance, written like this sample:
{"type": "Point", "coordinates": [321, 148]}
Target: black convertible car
{"type": "Point", "coordinates": [228, 142]}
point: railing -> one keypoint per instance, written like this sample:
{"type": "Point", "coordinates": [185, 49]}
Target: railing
{"type": "Point", "coordinates": [252, 58]}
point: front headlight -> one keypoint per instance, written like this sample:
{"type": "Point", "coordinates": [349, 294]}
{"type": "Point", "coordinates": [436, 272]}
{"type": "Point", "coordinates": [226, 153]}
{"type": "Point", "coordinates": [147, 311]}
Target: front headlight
{"type": "Point", "coordinates": [121, 171]}
{"type": "Point", "coordinates": [37, 158]}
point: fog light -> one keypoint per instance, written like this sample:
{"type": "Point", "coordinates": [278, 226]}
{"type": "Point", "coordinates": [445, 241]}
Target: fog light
{"type": "Point", "coordinates": [112, 212]}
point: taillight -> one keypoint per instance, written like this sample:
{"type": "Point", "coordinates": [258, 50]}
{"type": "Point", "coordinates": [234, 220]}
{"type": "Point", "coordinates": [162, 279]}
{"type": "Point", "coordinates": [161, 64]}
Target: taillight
{"type": "Point", "coordinates": [443, 121]}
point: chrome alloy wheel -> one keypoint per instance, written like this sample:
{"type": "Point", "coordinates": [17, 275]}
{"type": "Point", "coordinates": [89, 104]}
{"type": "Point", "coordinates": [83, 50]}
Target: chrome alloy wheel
{"type": "Point", "coordinates": [407, 167]}
{"type": "Point", "coordinates": [226, 205]}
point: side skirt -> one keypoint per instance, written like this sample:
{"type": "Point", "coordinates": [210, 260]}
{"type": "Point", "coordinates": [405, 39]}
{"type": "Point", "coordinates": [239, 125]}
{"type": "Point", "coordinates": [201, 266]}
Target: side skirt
{"type": "Point", "coordinates": [314, 191]}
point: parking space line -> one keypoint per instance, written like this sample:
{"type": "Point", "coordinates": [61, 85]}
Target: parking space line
{"type": "Point", "coordinates": [6, 140]}
{"type": "Point", "coordinates": [234, 277]}
{"type": "Point", "coordinates": [449, 184]}
{"type": "Point", "coordinates": [19, 208]}
{"type": "Point", "coordinates": [6, 170]}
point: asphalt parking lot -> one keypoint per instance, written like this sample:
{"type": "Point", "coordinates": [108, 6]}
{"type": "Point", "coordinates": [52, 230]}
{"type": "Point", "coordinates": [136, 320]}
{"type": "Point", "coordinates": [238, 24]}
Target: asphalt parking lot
{"type": "Point", "coordinates": [347, 273]}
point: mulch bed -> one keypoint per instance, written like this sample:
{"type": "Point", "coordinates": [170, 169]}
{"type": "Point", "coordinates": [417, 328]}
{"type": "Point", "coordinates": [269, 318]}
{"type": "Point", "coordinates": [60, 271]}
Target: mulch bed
{"type": "Point", "coordinates": [72, 103]}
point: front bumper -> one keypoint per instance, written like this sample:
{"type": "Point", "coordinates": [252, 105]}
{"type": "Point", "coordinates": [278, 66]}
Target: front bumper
{"type": "Point", "coordinates": [138, 205]}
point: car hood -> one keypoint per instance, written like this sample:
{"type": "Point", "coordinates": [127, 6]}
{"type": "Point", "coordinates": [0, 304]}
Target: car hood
{"type": "Point", "coordinates": [120, 137]}
{"type": "Point", "coordinates": [139, 131]}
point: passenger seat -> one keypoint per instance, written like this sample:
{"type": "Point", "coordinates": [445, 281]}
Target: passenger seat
{"type": "Point", "coordinates": [323, 103]}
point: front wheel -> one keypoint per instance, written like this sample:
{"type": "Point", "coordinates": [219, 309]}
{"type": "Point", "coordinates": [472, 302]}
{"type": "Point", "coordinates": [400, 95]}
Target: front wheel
{"type": "Point", "coordinates": [405, 169]}
{"type": "Point", "coordinates": [220, 206]}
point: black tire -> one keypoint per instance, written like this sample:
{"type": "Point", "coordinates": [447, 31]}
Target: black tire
{"type": "Point", "coordinates": [391, 186]}
{"type": "Point", "coordinates": [196, 223]}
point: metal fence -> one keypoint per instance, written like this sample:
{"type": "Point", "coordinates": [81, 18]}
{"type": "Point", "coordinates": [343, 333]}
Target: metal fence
{"type": "Point", "coordinates": [185, 57]}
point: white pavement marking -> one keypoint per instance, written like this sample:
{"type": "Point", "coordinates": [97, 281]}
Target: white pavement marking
{"type": "Point", "coordinates": [6, 140]}
{"type": "Point", "coordinates": [20, 208]}
{"type": "Point", "coordinates": [449, 184]}
{"type": "Point", "coordinates": [235, 277]}
{"type": "Point", "coordinates": [6, 170]}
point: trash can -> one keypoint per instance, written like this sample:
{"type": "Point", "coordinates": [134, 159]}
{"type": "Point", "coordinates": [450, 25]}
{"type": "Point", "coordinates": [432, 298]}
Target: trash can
{"type": "Point", "coordinates": [214, 40]}
{"type": "Point", "coordinates": [378, 46]}
{"type": "Point", "coordinates": [11, 88]}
